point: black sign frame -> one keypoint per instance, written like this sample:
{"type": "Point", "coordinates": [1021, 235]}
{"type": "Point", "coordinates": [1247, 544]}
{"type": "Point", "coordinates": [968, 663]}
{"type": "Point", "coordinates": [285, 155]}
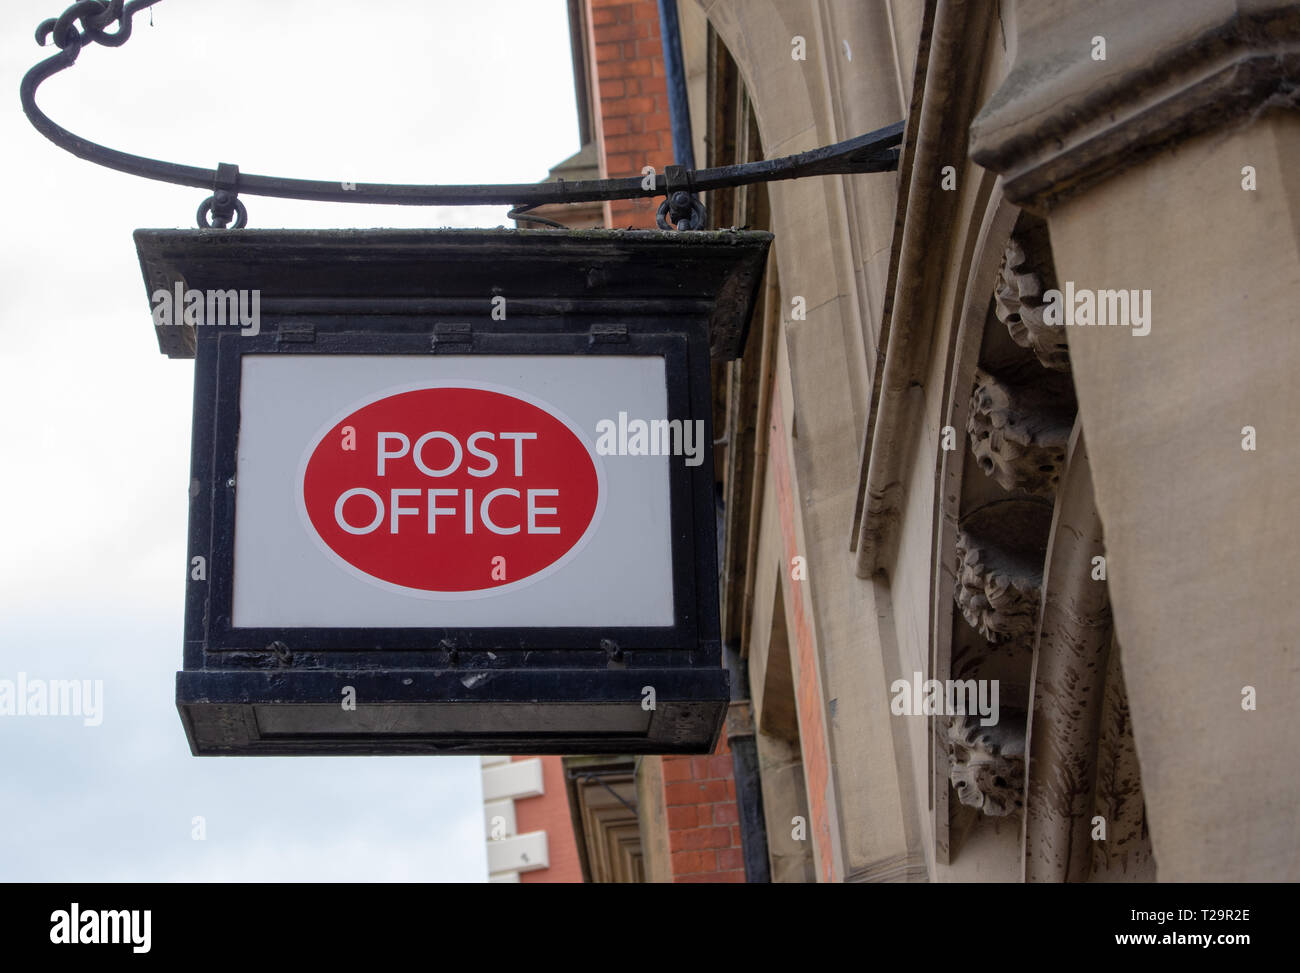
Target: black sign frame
{"type": "Point", "coordinates": [575, 689]}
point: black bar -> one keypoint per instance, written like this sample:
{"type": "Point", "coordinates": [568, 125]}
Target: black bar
{"type": "Point", "coordinates": [679, 109]}
{"type": "Point", "coordinates": [873, 152]}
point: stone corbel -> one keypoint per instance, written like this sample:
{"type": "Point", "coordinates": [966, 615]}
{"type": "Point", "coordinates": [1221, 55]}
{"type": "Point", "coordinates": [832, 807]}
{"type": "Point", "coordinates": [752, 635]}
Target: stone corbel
{"type": "Point", "coordinates": [1000, 549]}
{"type": "Point", "coordinates": [1063, 119]}
{"type": "Point", "coordinates": [987, 763]}
{"type": "Point", "coordinates": [1018, 303]}
{"type": "Point", "coordinates": [1018, 434]}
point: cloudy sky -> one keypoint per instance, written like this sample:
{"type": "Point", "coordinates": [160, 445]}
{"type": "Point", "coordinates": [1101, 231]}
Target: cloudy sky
{"type": "Point", "coordinates": [92, 487]}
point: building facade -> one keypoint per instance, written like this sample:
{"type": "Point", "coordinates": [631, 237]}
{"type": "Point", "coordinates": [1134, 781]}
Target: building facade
{"type": "Point", "coordinates": [1005, 470]}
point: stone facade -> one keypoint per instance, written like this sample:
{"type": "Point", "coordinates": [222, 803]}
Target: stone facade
{"type": "Point", "coordinates": [926, 476]}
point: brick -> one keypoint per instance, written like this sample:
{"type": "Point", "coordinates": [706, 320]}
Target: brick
{"type": "Point", "coordinates": [716, 838]}
{"type": "Point", "coordinates": [615, 70]}
{"type": "Point", "coordinates": [699, 838]}
{"type": "Point", "coordinates": [616, 126]}
{"type": "Point", "coordinates": [634, 213]}
{"type": "Point", "coordinates": [735, 836]}
{"type": "Point", "coordinates": [725, 813]}
{"type": "Point", "coordinates": [602, 16]}
{"type": "Point", "coordinates": [713, 791]}
{"type": "Point", "coordinates": [619, 32]}
{"type": "Point", "coordinates": [631, 66]}
{"type": "Point", "coordinates": [688, 862]}
{"type": "Point", "coordinates": [700, 765]}
{"type": "Point", "coordinates": [683, 817]}
{"type": "Point", "coordinates": [702, 878]}
{"type": "Point", "coordinates": [721, 766]}
{"type": "Point", "coordinates": [684, 792]}
{"type": "Point", "coordinates": [608, 52]}
{"type": "Point", "coordinates": [613, 88]}
{"type": "Point", "coordinates": [622, 165]}
{"type": "Point", "coordinates": [676, 768]}
{"type": "Point", "coordinates": [730, 858]}
{"type": "Point", "coordinates": [637, 145]}
{"type": "Point", "coordinates": [719, 877]}
{"type": "Point", "coordinates": [640, 105]}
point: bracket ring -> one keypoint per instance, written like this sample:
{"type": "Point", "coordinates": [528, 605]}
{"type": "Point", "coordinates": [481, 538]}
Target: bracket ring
{"type": "Point", "coordinates": [205, 211]}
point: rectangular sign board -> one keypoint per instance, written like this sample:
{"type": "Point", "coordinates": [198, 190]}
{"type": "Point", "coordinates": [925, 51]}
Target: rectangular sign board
{"type": "Point", "coordinates": [452, 491]}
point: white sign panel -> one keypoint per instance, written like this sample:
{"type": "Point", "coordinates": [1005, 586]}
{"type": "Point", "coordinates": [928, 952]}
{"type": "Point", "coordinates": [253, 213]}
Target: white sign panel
{"type": "Point", "coordinates": [475, 491]}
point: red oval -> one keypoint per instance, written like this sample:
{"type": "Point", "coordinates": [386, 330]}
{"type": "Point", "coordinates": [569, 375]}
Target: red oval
{"type": "Point", "coordinates": [495, 520]}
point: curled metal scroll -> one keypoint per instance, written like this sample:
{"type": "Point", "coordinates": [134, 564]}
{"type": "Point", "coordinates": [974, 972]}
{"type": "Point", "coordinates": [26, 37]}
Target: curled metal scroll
{"type": "Point", "coordinates": [90, 20]}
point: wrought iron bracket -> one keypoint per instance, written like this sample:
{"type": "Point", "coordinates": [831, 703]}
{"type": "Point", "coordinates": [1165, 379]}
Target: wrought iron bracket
{"type": "Point", "coordinates": [681, 208]}
{"type": "Point", "coordinates": [876, 151]}
{"type": "Point", "coordinates": [223, 205]}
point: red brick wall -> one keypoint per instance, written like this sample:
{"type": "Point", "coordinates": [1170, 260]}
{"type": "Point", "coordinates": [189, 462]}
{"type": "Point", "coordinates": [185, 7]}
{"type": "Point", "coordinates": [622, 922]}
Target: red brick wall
{"type": "Point", "coordinates": [703, 829]}
{"type": "Point", "coordinates": [633, 128]}
{"type": "Point", "coordinates": [550, 813]}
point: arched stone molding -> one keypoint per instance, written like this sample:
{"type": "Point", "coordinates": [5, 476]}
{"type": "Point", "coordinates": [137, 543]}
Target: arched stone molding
{"type": "Point", "coordinates": [800, 105]}
{"type": "Point", "coordinates": [1029, 611]}
{"type": "Point", "coordinates": [833, 251]}
{"type": "Point", "coordinates": [1126, 853]}
{"type": "Point", "coordinates": [950, 636]}
{"type": "Point", "coordinates": [1069, 679]}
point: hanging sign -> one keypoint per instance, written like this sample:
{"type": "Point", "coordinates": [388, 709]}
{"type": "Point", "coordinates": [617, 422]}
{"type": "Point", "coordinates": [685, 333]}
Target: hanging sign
{"type": "Point", "coordinates": [453, 490]}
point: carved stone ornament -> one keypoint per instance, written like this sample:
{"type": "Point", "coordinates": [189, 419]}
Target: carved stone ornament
{"type": "Point", "coordinates": [1018, 434]}
{"type": "Point", "coordinates": [1000, 551]}
{"type": "Point", "coordinates": [1018, 303]}
{"type": "Point", "coordinates": [987, 763]}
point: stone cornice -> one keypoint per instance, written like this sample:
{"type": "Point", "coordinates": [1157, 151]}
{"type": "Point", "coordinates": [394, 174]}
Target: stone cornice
{"type": "Point", "coordinates": [1060, 122]}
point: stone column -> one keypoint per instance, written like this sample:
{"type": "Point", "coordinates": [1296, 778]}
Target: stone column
{"type": "Point", "coordinates": [1144, 164]}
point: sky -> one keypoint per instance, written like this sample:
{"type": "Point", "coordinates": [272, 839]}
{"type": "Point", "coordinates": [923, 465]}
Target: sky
{"type": "Point", "coordinates": [97, 422]}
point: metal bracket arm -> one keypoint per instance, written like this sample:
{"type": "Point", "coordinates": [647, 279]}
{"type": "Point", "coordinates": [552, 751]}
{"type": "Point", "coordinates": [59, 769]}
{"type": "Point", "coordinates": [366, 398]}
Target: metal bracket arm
{"type": "Point", "coordinates": [876, 151]}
